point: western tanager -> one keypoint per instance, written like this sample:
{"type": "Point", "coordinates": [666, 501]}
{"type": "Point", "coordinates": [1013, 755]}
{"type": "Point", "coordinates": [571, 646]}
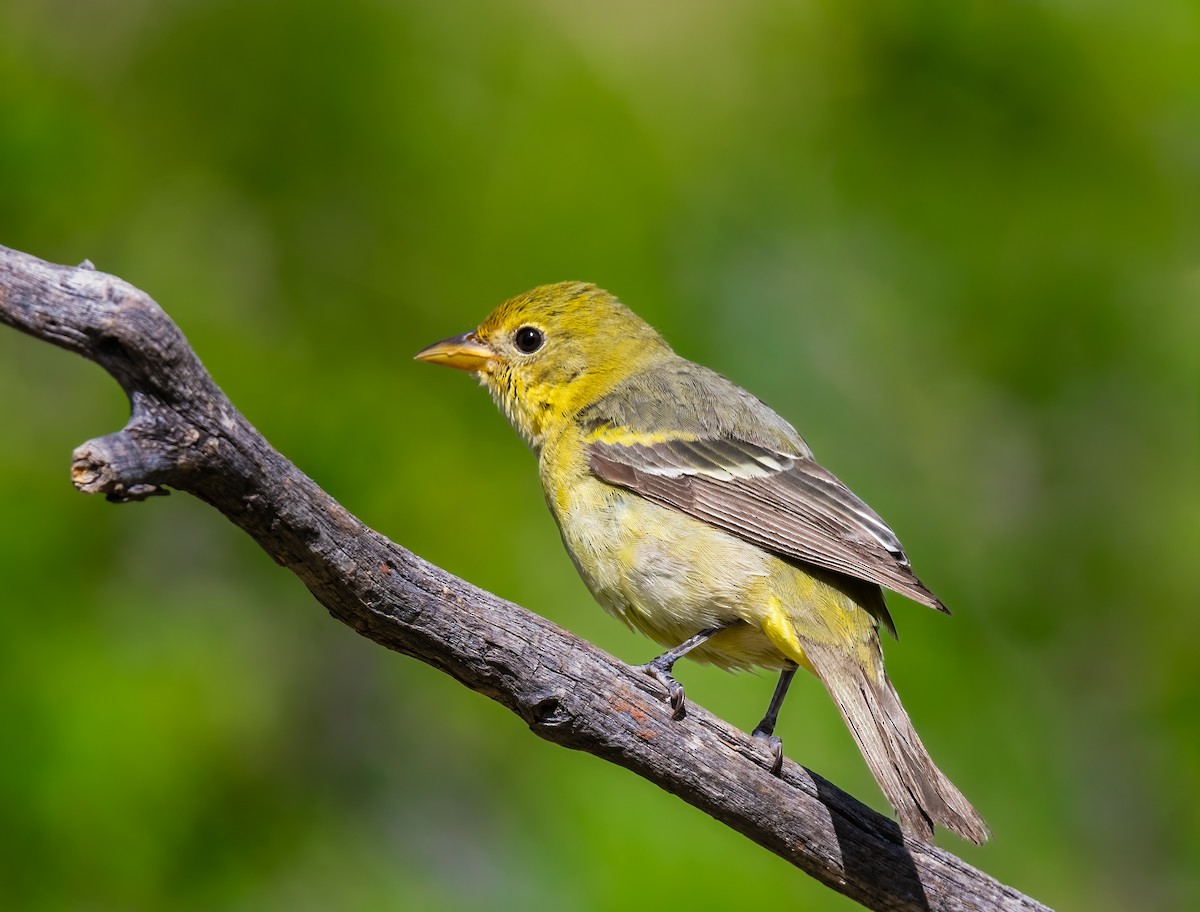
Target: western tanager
{"type": "Point", "coordinates": [698, 516]}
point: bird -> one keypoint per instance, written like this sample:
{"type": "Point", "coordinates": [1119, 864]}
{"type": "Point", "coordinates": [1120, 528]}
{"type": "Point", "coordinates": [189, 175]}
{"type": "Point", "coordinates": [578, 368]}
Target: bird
{"type": "Point", "coordinates": [698, 516]}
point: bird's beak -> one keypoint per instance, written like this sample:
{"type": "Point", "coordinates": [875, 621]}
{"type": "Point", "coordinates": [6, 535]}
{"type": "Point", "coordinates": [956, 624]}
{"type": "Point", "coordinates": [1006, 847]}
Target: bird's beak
{"type": "Point", "coordinates": [464, 352]}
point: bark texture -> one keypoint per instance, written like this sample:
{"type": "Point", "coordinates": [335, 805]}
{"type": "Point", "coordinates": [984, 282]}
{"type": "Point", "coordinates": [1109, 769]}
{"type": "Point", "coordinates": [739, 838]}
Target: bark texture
{"type": "Point", "coordinates": [184, 433]}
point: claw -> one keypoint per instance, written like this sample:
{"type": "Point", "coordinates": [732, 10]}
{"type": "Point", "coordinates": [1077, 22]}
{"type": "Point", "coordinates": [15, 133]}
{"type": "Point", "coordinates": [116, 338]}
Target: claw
{"type": "Point", "coordinates": [678, 700]}
{"type": "Point", "coordinates": [775, 744]}
{"type": "Point", "coordinates": [675, 692]}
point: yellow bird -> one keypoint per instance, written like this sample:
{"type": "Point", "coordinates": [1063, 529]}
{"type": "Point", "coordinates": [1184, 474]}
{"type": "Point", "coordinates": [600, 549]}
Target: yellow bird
{"type": "Point", "coordinates": [698, 516]}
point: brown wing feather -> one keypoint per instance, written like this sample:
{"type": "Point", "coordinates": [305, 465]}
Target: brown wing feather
{"type": "Point", "coordinates": [783, 502]}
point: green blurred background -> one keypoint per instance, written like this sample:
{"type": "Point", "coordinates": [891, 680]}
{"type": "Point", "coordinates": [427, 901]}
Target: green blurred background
{"type": "Point", "coordinates": [955, 243]}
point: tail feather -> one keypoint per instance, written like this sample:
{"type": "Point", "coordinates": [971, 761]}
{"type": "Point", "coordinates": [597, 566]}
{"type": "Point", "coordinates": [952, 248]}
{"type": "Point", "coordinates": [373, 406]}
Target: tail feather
{"type": "Point", "coordinates": [920, 793]}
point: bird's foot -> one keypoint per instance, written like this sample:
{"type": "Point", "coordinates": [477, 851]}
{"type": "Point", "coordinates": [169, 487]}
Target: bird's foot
{"type": "Point", "coordinates": [661, 672]}
{"type": "Point", "coordinates": [660, 669]}
{"type": "Point", "coordinates": [774, 744]}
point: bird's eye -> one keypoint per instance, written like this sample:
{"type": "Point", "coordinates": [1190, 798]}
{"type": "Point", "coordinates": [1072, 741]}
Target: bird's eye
{"type": "Point", "coordinates": [528, 339]}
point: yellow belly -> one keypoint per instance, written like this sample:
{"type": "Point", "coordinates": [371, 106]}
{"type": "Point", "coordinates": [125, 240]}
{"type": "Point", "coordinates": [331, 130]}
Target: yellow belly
{"type": "Point", "coordinates": [671, 576]}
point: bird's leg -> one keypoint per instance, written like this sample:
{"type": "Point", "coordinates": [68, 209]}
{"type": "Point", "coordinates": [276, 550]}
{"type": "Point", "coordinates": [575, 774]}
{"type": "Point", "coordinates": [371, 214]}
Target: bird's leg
{"type": "Point", "coordinates": [660, 669]}
{"type": "Point", "coordinates": [766, 728]}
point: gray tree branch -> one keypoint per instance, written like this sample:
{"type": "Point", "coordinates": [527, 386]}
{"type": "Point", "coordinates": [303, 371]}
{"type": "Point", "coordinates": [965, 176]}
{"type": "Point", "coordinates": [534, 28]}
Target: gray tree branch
{"type": "Point", "coordinates": [184, 433]}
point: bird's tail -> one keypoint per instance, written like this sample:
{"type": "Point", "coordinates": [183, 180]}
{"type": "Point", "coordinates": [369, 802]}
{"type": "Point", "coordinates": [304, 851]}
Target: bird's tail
{"type": "Point", "coordinates": [916, 788]}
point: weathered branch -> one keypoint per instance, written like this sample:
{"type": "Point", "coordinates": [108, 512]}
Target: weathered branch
{"type": "Point", "coordinates": [184, 433]}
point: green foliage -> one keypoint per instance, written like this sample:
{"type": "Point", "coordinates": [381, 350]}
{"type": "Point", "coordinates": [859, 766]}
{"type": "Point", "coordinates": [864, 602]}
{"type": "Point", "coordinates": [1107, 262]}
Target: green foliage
{"type": "Point", "coordinates": [954, 243]}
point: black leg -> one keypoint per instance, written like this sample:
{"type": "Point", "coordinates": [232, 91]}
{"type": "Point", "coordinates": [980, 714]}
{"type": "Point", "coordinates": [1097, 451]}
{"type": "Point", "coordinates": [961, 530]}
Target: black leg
{"type": "Point", "coordinates": [660, 669]}
{"type": "Point", "coordinates": [766, 728]}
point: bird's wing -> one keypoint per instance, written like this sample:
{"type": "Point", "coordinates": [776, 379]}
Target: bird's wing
{"type": "Point", "coordinates": [775, 497]}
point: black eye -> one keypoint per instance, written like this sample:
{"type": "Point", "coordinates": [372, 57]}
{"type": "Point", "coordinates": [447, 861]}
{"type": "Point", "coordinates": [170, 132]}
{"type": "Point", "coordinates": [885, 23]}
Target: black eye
{"type": "Point", "coordinates": [528, 339]}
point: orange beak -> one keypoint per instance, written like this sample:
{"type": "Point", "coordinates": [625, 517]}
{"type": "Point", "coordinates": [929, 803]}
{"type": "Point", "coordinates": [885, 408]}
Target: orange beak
{"type": "Point", "coordinates": [464, 352]}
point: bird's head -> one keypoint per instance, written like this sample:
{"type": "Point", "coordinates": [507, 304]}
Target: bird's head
{"type": "Point", "coordinates": [549, 352]}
